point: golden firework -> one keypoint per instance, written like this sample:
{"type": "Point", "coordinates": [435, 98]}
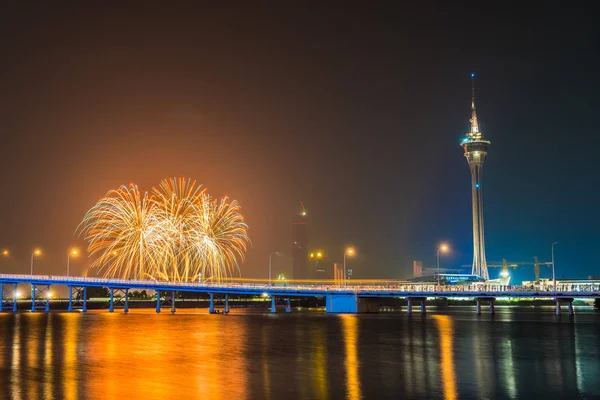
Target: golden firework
{"type": "Point", "coordinates": [177, 232]}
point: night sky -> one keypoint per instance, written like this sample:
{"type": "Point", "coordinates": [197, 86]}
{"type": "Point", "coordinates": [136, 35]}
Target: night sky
{"type": "Point", "coordinates": [357, 111]}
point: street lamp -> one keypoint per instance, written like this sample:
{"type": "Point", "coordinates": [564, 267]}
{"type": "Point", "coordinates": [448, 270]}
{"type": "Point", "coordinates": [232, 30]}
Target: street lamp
{"type": "Point", "coordinates": [73, 252]}
{"type": "Point", "coordinates": [5, 253]}
{"type": "Point", "coordinates": [553, 275]}
{"type": "Point", "coordinates": [348, 252]}
{"type": "Point", "coordinates": [270, 257]}
{"type": "Point", "coordinates": [36, 252]}
{"type": "Point", "coordinates": [442, 248]}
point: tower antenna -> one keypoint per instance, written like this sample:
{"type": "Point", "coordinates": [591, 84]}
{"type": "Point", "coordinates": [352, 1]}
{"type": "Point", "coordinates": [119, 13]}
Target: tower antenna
{"type": "Point", "coordinates": [474, 124]}
{"type": "Point", "coordinates": [472, 90]}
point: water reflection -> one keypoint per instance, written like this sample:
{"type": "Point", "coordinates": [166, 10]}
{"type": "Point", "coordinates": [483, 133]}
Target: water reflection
{"type": "Point", "coordinates": [265, 362]}
{"type": "Point", "coordinates": [444, 325]}
{"type": "Point", "coordinates": [297, 356]}
{"type": "Point", "coordinates": [70, 368]}
{"type": "Point", "coordinates": [318, 340]}
{"type": "Point", "coordinates": [48, 365]}
{"type": "Point", "coordinates": [350, 334]}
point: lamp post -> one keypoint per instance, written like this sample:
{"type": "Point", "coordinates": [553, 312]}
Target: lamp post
{"type": "Point", "coordinates": [553, 273]}
{"type": "Point", "coordinates": [36, 252]}
{"type": "Point", "coordinates": [5, 253]}
{"type": "Point", "coordinates": [270, 259]}
{"type": "Point", "coordinates": [73, 252]}
{"type": "Point", "coordinates": [441, 248]}
{"type": "Point", "coordinates": [348, 252]}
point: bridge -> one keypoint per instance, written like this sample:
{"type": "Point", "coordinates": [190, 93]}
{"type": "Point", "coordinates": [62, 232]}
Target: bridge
{"type": "Point", "coordinates": [339, 299]}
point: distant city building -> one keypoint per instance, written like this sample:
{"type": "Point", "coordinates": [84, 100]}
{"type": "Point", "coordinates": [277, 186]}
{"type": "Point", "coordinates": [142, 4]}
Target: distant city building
{"type": "Point", "coordinates": [476, 148]}
{"type": "Point", "coordinates": [317, 266]}
{"type": "Point", "coordinates": [417, 268]}
{"type": "Point", "coordinates": [300, 246]}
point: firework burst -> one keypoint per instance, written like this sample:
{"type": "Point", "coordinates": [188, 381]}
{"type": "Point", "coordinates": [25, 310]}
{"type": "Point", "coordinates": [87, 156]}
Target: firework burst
{"type": "Point", "coordinates": [178, 232]}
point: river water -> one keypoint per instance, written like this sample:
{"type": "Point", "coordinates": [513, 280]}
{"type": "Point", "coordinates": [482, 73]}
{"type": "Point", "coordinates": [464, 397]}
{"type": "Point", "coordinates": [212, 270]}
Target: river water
{"type": "Point", "coordinates": [447, 354]}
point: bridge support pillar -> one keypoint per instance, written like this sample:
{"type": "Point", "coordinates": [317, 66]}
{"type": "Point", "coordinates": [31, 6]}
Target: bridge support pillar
{"type": "Point", "coordinates": [226, 309]}
{"type": "Point", "coordinates": [211, 305]}
{"type": "Point", "coordinates": [273, 309]}
{"type": "Point", "coordinates": [410, 300]}
{"type": "Point", "coordinates": [341, 303]}
{"type": "Point", "coordinates": [41, 292]}
{"type": "Point", "coordinates": [568, 300]}
{"type": "Point", "coordinates": [157, 301]}
{"type": "Point", "coordinates": [70, 308]}
{"type": "Point", "coordinates": [84, 308]}
{"type": "Point", "coordinates": [33, 298]}
{"type": "Point", "coordinates": [126, 308]}
{"type": "Point", "coordinates": [111, 303]}
{"type": "Point", "coordinates": [288, 307]}
{"type": "Point", "coordinates": [479, 300]}
{"type": "Point", "coordinates": [172, 302]}
{"type": "Point", "coordinates": [8, 297]}
{"type": "Point", "coordinates": [15, 298]}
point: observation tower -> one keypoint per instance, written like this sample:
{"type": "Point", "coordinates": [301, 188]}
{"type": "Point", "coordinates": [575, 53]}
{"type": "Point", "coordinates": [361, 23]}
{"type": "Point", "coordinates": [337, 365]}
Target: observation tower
{"type": "Point", "coordinates": [476, 148]}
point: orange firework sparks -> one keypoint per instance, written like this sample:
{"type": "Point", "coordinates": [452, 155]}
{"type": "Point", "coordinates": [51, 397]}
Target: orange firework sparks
{"type": "Point", "coordinates": [177, 232]}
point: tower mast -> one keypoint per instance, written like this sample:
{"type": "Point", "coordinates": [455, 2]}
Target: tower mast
{"type": "Point", "coordinates": [476, 148]}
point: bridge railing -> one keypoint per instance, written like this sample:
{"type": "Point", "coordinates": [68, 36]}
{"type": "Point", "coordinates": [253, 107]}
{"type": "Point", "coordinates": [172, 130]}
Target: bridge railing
{"type": "Point", "coordinates": [429, 289]}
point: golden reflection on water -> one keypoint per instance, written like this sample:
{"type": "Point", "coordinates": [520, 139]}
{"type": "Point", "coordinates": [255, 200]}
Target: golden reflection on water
{"type": "Point", "coordinates": [265, 362]}
{"type": "Point", "coordinates": [350, 334]}
{"type": "Point", "coordinates": [448, 374]}
{"type": "Point", "coordinates": [200, 355]}
{"type": "Point", "coordinates": [70, 369]}
{"type": "Point", "coordinates": [15, 358]}
{"type": "Point", "coordinates": [32, 344]}
{"type": "Point", "coordinates": [318, 339]}
{"type": "Point", "coordinates": [48, 365]}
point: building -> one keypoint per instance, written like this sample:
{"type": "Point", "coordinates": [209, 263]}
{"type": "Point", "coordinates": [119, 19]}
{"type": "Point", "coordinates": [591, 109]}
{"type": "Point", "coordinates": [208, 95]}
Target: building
{"type": "Point", "coordinates": [300, 246]}
{"type": "Point", "coordinates": [417, 268]}
{"type": "Point", "coordinates": [317, 266]}
{"type": "Point", "coordinates": [476, 148]}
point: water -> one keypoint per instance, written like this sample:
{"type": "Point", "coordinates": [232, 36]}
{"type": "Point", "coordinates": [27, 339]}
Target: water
{"type": "Point", "coordinates": [518, 353]}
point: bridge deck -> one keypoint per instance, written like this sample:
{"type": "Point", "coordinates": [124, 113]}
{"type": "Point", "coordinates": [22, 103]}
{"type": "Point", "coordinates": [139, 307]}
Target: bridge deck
{"type": "Point", "coordinates": [295, 290]}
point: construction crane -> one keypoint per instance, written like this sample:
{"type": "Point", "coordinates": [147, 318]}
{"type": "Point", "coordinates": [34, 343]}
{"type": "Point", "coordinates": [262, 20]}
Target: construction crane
{"type": "Point", "coordinates": [505, 265]}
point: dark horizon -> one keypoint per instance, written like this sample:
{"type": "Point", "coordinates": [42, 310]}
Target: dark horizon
{"type": "Point", "coordinates": [358, 111]}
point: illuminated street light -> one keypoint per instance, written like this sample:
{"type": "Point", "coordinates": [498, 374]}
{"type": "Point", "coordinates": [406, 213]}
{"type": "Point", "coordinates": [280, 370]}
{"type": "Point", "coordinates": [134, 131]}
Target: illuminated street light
{"type": "Point", "coordinates": [36, 252]}
{"type": "Point", "coordinates": [5, 253]}
{"type": "Point", "coordinates": [442, 248]}
{"type": "Point", "coordinates": [348, 252]}
{"type": "Point", "coordinates": [73, 252]}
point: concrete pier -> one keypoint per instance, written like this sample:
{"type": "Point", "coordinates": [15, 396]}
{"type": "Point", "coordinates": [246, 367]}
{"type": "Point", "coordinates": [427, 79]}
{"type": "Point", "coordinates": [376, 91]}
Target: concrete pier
{"type": "Point", "coordinates": [479, 300]}
{"type": "Point", "coordinates": [568, 300]}
{"type": "Point", "coordinates": [341, 303]}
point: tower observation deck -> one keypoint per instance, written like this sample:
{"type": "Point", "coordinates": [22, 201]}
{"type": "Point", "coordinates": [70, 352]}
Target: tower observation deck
{"type": "Point", "coordinates": [476, 148]}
